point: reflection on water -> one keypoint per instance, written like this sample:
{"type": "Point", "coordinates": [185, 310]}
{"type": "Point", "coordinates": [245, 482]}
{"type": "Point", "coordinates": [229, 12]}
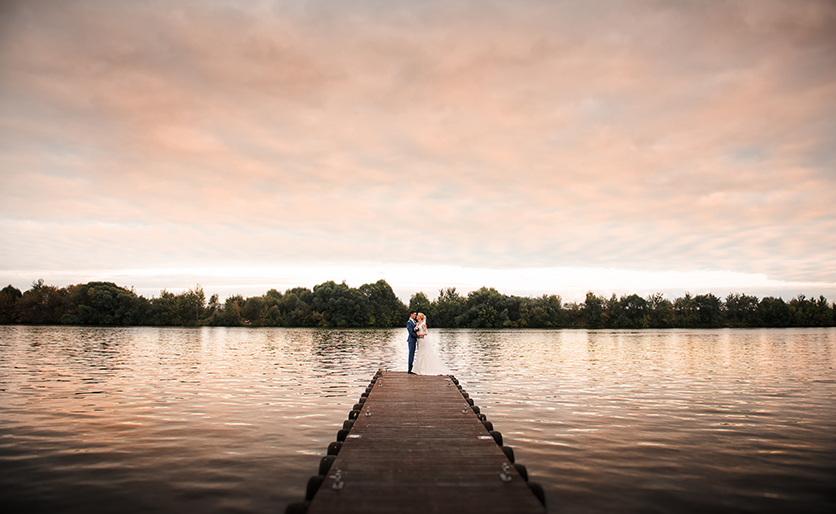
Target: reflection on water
{"type": "Point", "coordinates": [216, 420]}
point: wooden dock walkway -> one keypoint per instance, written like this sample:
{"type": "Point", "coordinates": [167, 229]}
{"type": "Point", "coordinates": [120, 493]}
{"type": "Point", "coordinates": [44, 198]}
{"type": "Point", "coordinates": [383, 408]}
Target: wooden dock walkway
{"type": "Point", "coordinates": [416, 444]}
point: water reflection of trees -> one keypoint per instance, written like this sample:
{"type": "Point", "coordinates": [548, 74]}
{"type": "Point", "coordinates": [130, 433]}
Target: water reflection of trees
{"type": "Point", "coordinates": [338, 350]}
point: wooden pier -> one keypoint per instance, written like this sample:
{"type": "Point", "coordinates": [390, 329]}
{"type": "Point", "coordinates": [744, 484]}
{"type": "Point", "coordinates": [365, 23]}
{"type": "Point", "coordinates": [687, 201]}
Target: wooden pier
{"type": "Point", "coordinates": [418, 444]}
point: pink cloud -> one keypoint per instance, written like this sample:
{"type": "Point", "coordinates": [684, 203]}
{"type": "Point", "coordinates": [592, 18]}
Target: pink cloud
{"type": "Point", "coordinates": [527, 134]}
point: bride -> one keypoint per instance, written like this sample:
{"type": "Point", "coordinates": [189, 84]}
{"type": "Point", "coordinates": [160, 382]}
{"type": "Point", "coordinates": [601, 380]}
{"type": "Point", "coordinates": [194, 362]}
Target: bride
{"type": "Point", "coordinates": [426, 361]}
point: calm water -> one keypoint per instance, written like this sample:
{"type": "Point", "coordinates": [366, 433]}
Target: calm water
{"type": "Point", "coordinates": [235, 420]}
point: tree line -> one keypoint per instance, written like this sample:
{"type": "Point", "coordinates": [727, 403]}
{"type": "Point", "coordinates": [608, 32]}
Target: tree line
{"type": "Point", "coordinates": [333, 305]}
{"type": "Point", "coordinates": [487, 308]}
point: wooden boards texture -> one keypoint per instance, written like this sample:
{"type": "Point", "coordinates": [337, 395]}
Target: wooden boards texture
{"type": "Point", "coordinates": [417, 444]}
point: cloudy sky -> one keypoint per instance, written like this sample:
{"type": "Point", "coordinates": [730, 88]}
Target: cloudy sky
{"type": "Point", "coordinates": [532, 146]}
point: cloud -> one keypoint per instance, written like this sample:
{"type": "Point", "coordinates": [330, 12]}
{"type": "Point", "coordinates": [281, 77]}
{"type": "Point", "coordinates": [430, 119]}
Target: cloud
{"type": "Point", "coordinates": [636, 136]}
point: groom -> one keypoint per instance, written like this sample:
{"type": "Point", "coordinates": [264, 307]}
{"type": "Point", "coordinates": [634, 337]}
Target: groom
{"type": "Point", "coordinates": [411, 339]}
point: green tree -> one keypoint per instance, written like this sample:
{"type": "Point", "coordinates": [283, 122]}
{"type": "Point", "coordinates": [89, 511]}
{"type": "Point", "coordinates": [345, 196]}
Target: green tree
{"type": "Point", "coordinates": [190, 306]}
{"type": "Point", "coordinates": [420, 303]}
{"type": "Point", "coordinates": [486, 308]}
{"type": "Point", "coordinates": [296, 309]}
{"type": "Point", "coordinates": [103, 303]}
{"type": "Point", "coordinates": [593, 310]}
{"type": "Point", "coordinates": [41, 305]}
{"type": "Point", "coordinates": [660, 311]}
{"type": "Point", "coordinates": [573, 315]}
{"type": "Point", "coordinates": [232, 311]}
{"type": "Point", "coordinates": [8, 298]}
{"type": "Point", "coordinates": [543, 312]}
{"type": "Point", "coordinates": [386, 310]}
{"type": "Point", "coordinates": [254, 311]}
{"type": "Point", "coordinates": [447, 308]}
{"type": "Point", "coordinates": [823, 313]}
{"type": "Point", "coordinates": [632, 312]}
{"type": "Point", "coordinates": [708, 311]}
{"type": "Point", "coordinates": [162, 311]}
{"type": "Point", "coordinates": [214, 305]}
{"type": "Point", "coordinates": [774, 312]}
{"type": "Point", "coordinates": [341, 306]}
{"type": "Point", "coordinates": [685, 311]}
{"type": "Point", "coordinates": [741, 311]}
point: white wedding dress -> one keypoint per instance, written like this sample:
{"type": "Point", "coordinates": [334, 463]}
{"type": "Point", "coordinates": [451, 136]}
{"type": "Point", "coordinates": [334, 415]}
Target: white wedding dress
{"type": "Point", "coordinates": [426, 361]}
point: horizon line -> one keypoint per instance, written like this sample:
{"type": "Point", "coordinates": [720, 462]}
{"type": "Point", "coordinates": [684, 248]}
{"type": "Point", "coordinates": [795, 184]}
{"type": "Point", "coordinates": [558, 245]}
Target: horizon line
{"type": "Point", "coordinates": [571, 283]}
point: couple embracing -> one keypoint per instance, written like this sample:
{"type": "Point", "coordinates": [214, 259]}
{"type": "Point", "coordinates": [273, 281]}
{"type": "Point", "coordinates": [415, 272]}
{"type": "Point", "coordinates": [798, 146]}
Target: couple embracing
{"type": "Point", "coordinates": [422, 358]}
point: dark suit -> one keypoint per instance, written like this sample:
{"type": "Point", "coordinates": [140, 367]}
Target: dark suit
{"type": "Point", "coordinates": [411, 340]}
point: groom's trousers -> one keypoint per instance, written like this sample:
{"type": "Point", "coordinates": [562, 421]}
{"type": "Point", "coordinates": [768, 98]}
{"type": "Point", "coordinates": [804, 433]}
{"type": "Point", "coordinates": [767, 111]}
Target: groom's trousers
{"type": "Point", "coordinates": [411, 345]}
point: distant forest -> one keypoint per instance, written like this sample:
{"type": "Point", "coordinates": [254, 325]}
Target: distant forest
{"type": "Point", "coordinates": [333, 305]}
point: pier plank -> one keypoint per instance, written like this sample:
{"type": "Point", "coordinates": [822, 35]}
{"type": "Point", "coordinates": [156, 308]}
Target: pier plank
{"type": "Point", "coordinates": [421, 449]}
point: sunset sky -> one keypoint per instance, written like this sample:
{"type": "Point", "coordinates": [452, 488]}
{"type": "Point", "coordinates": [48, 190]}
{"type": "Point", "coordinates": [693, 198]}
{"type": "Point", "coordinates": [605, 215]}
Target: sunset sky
{"type": "Point", "coordinates": [533, 146]}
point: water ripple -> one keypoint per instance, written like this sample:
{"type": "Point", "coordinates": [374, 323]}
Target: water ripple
{"type": "Point", "coordinates": [219, 419]}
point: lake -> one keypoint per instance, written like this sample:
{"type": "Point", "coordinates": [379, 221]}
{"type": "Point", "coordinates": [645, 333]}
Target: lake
{"type": "Point", "coordinates": [235, 420]}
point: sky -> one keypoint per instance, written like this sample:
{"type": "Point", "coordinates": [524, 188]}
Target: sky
{"type": "Point", "coordinates": [538, 147]}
